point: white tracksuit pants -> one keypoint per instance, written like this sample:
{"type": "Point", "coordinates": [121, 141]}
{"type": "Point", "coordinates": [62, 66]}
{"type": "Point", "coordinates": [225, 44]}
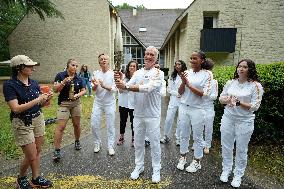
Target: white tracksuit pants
{"type": "Point", "coordinates": [231, 132]}
{"type": "Point", "coordinates": [171, 112]}
{"type": "Point", "coordinates": [194, 117]}
{"type": "Point", "coordinates": [110, 123]}
{"type": "Point", "coordinates": [208, 127]}
{"type": "Point", "coordinates": [152, 127]}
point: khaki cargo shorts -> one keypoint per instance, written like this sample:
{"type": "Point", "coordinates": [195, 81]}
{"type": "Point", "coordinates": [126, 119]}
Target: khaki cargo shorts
{"type": "Point", "coordinates": [26, 134]}
{"type": "Point", "coordinates": [68, 108]}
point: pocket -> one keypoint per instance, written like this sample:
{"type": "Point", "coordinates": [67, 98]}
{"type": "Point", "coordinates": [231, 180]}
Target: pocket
{"type": "Point", "coordinates": [17, 123]}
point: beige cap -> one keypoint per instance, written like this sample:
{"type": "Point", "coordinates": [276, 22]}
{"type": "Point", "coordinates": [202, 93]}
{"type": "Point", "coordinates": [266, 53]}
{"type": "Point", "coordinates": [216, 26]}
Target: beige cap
{"type": "Point", "coordinates": [22, 59]}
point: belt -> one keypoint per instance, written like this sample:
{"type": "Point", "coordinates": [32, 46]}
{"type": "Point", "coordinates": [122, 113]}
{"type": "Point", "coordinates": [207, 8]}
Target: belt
{"type": "Point", "coordinates": [32, 115]}
{"type": "Point", "coordinates": [26, 118]}
{"type": "Point", "coordinates": [36, 114]}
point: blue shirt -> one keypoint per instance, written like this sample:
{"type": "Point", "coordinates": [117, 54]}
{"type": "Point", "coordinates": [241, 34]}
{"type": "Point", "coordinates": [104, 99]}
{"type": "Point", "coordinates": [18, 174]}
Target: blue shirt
{"type": "Point", "coordinates": [64, 93]}
{"type": "Point", "coordinates": [15, 89]}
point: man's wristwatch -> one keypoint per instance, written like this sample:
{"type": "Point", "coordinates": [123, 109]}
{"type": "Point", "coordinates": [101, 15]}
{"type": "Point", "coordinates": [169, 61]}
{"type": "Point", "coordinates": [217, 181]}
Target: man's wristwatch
{"type": "Point", "coordinates": [238, 103]}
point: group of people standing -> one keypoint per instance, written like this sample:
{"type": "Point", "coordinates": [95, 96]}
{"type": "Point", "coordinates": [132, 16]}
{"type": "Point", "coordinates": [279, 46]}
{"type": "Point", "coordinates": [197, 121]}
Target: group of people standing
{"type": "Point", "coordinates": [139, 96]}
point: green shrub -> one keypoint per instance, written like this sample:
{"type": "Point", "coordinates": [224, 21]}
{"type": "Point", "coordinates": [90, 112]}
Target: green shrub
{"type": "Point", "coordinates": [269, 121]}
{"type": "Point", "coordinates": [5, 70]}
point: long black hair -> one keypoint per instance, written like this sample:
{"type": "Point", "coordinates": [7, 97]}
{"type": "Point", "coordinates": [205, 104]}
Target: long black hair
{"type": "Point", "coordinates": [252, 72]}
{"type": "Point", "coordinates": [183, 68]}
{"type": "Point", "coordinates": [127, 73]}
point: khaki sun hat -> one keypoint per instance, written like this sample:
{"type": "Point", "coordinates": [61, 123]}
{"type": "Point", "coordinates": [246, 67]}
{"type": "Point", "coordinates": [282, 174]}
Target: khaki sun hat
{"type": "Point", "coordinates": [22, 59]}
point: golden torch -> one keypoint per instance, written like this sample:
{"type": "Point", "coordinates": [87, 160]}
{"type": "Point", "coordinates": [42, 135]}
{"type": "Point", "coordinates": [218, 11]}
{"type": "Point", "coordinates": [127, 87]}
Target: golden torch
{"type": "Point", "coordinates": [118, 46]}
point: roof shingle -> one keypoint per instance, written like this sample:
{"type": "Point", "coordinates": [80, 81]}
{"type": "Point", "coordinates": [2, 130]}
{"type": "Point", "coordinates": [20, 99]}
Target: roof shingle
{"type": "Point", "coordinates": [157, 21]}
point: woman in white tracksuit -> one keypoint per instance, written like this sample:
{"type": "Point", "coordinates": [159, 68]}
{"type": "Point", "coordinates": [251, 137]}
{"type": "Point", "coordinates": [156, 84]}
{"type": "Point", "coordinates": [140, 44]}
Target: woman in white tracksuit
{"type": "Point", "coordinates": [104, 86]}
{"type": "Point", "coordinates": [173, 84]}
{"type": "Point", "coordinates": [242, 96]}
{"type": "Point", "coordinates": [209, 116]}
{"type": "Point", "coordinates": [196, 84]}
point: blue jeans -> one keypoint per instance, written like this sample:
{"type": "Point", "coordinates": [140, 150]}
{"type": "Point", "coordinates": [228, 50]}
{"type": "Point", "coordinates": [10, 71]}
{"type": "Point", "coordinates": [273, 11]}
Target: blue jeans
{"type": "Point", "coordinates": [88, 85]}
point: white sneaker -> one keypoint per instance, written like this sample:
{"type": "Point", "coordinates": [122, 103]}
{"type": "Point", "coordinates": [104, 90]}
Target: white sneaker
{"type": "Point", "coordinates": [111, 151]}
{"type": "Point", "coordinates": [165, 139]}
{"type": "Point", "coordinates": [206, 150]}
{"type": "Point", "coordinates": [224, 176]}
{"type": "Point", "coordinates": [181, 163]}
{"type": "Point", "coordinates": [193, 167]}
{"type": "Point", "coordinates": [137, 171]}
{"type": "Point", "coordinates": [177, 142]}
{"type": "Point", "coordinates": [236, 183]}
{"type": "Point", "coordinates": [97, 148]}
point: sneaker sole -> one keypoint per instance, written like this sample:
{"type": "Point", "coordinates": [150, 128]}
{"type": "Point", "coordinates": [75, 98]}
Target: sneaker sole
{"type": "Point", "coordinates": [156, 181]}
{"type": "Point", "coordinates": [179, 168]}
{"type": "Point", "coordinates": [39, 186]}
{"type": "Point", "coordinates": [138, 176]}
{"type": "Point", "coordinates": [193, 171]}
{"type": "Point", "coordinates": [17, 186]}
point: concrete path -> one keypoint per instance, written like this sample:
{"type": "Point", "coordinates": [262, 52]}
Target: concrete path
{"type": "Point", "coordinates": [86, 169]}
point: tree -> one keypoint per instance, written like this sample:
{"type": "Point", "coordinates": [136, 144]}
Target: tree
{"type": "Point", "coordinates": [40, 7]}
{"type": "Point", "coordinates": [13, 11]}
{"type": "Point", "coordinates": [127, 6]}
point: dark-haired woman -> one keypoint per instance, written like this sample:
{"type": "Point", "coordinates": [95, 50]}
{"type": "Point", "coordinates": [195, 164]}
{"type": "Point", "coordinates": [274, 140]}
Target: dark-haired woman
{"type": "Point", "coordinates": [86, 75]}
{"type": "Point", "coordinates": [25, 100]}
{"type": "Point", "coordinates": [242, 96]}
{"type": "Point", "coordinates": [126, 103]}
{"type": "Point", "coordinates": [173, 85]}
{"type": "Point", "coordinates": [196, 84]}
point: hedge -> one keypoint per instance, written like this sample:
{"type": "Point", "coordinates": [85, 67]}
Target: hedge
{"type": "Point", "coordinates": [5, 70]}
{"type": "Point", "coordinates": [269, 121]}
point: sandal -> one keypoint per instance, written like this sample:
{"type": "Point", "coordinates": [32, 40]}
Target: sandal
{"type": "Point", "coordinates": [120, 141]}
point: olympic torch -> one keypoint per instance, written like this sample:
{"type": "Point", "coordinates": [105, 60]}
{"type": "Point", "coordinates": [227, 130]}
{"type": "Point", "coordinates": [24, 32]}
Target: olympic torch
{"type": "Point", "coordinates": [118, 46]}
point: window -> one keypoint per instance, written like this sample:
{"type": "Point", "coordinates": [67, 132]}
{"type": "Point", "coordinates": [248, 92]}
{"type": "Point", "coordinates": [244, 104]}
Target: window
{"type": "Point", "coordinates": [210, 20]}
{"type": "Point", "coordinates": [142, 29]}
{"type": "Point", "coordinates": [131, 50]}
{"type": "Point", "coordinates": [127, 38]}
{"type": "Point", "coordinates": [207, 22]}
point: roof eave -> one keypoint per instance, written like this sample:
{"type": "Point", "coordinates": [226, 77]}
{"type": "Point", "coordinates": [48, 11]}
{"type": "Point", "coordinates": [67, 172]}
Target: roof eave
{"type": "Point", "coordinates": [174, 27]}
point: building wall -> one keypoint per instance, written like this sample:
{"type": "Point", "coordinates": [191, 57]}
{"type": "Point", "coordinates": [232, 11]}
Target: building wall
{"type": "Point", "coordinates": [259, 26]}
{"type": "Point", "coordinates": [83, 34]}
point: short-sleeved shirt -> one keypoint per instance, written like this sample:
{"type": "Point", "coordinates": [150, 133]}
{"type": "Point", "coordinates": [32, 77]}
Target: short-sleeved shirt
{"type": "Point", "coordinates": [15, 89]}
{"type": "Point", "coordinates": [64, 93]}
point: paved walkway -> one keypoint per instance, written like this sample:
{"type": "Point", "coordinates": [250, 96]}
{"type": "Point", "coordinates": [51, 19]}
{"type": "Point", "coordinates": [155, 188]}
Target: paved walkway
{"type": "Point", "coordinates": [85, 169]}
